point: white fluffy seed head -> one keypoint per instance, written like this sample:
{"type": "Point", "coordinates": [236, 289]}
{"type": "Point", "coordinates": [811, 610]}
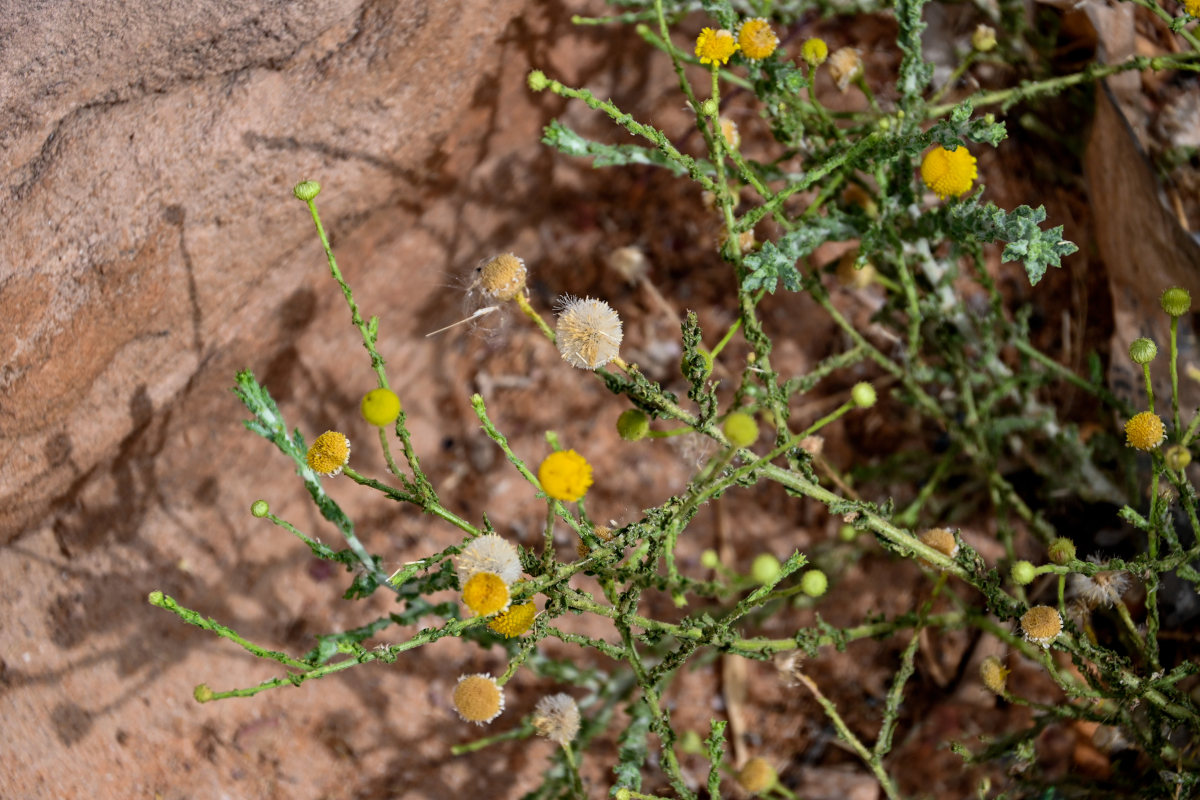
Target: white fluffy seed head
{"type": "Point", "coordinates": [588, 331]}
{"type": "Point", "coordinates": [1099, 590]}
{"type": "Point", "coordinates": [489, 553]}
{"type": "Point", "coordinates": [557, 718]}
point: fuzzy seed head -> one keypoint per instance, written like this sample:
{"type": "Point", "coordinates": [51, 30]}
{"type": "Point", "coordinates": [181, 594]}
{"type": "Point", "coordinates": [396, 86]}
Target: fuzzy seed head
{"type": "Point", "coordinates": [1145, 431]}
{"type": "Point", "coordinates": [556, 717]}
{"type": "Point", "coordinates": [1041, 625]}
{"type": "Point", "coordinates": [1143, 350]}
{"type": "Point", "coordinates": [485, 594]}
{"type": "Point", "coordinates": [1177, 457]}
{"type": "Point", "coordinates": [1176, 301]}
{"type": "Point", "coordinates": [630, 263]}
{"type": "Point", "coordinates": [489, 553]}
{"type": "Point", "coordinates": [949, 172]}
{"type": "Point", "coordinates": [380, 407]}
{"type": "Point", "coordinates": [942, 540]}
{"type": "Point", "coordinates": [565, 475]}
{"type": "Point", "coordinates": [756, 776]}
{"type": "Point", "coordinates": [756, 39]}
{"type": "Point", "coordinates": [478, 698]}
{"type": "Point", "coordinates": [1100, 590]}
{"type": "Point", "coordinates": [740, 429]}
{"type": "Point", "coordinates": [994, 674]}
{"type": "Point", "coordinates": [514, 622]}
{"type": "Point", "coordinates": [715, 46]}
{"type": "Point", "coordinates": [500, 279]}
{"type": "Point", "coordinates": [329, 453]}
{"type": "Point", "coordinates": [845, 66]}
{"type": "Point", "coordinates": [814, 52]}
{"type": "Point", "coordinates": [588, 332]}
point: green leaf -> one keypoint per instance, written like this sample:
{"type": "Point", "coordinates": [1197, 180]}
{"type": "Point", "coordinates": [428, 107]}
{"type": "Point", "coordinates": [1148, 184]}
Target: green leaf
{"type": "Point", "coordinates": [776, 261]}
{"type": "Point", "coordinates": [1027, 242]}
{"type": "Point", "coordinates": [633, 747]}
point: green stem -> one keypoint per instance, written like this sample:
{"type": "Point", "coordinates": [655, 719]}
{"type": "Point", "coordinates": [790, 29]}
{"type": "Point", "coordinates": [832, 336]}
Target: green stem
{"type": "Point", "coordinates": [192, 617]}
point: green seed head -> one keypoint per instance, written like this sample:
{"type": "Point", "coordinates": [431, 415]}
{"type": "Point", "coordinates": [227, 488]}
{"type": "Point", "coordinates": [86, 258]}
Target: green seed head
{"type": "Point", "coordinates": [306, 190]}
{"type": "Point", "coordinates": [740, 429]}
{"type": "Point", "coordinates": [259, 508]}
{"type": "Point", "coordinates": [1176, 301]}
{"type": "Point", "coordinates": [814, 583]}
{"type": "Point", "coordinates": [863, 395]}
{"type": "Point", "coordinates": [633, 425]}
{"type": "Point", "coordinates": [765, 568]}
{"type": "Point", "coordinates": [1142, 350]}
{"type": "Point", "coordinates": [1023, 573]}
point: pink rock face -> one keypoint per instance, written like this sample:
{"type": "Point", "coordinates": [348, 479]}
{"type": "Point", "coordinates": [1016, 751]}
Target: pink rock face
{"type": "Point", "coordinates": [149, 228]}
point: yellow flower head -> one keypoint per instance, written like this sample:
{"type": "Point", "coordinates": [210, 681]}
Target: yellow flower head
{"type": "Point", "coordinates": [501, 278]}
{"type": "Point", "coordinates": [942, 540]}
{"type": "Point", "coordinates": [994, 674]}
{"type": "Point", "coordinates": [329, 453]}
{"type": "Point", "coordinates": [380, 407]}
{"type": "Point", "coordinates": [1041, 624]}
{"type": "Point", "coordinates": [565, 475]}
{"type": "Point", "coordinates": [485, 593]}
{"type": "Point", "coordinates": [715, 46]}
{"type": "Point", "coordinates": [756, 39]}
{"type": "Point", "coordinates": [948, 172]}
{"type": "Point", "coordinates": [478, 698]}
{"type": "Point", "coordinates": [1192, 7]}
{"type": "Point", "coordinates": [814, 52]}
{"type": "Point", "coordinates": [515, 621]}
{"type": "Point", "coordinates": [756, 776]}
{"type": "Point", "coordinates": [1145, 431]}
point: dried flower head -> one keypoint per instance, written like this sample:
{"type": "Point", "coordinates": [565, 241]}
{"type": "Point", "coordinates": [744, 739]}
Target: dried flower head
{"type": "Point", "coordinates": [851, 275]}
{"type": "Point", "coordinates": [489, 553]}
{"type": "Point", "coordinates": [756, 776]}
{"type": "Point", "coordinates": [588, 332]}
{"type": "Point", "coordinates": [994, 674]}
{"type": "Point", "coordinates": [603, 533]}
{"type": "Point", "coordinates": [565, 475]}
{"type": "Point", "coordinates": [756, 39]}
{"type": "Point", "coordinates": [1041, 625]}
{"type": "Point", "coordinates": [329, 453]}
{"type": "Point", "coordinates": [1101, 589]}
{"type": "Point", "coordinates": [729, 130]}
{"type": "Point", "coordinates": [514, 622]}
{"type": "Point", "coordinates": [949, 172]}
{"type": "Point", "coordinates": [942, 540]}
{"type": "Point", "coordinates": [500, 278]}
{"type": "Point", "coordinates": [485, 593]}
{"type": "Point", "coordinates": [715, 46]}
{"type": "Point", "coordinates": [557, 718]}
{"type": "Point", "coordinates": [478, 698]}
{"type": "Point", "coordinates": [814, 52]}
{"type": "Point", "coordinates": [789, 666]}
{"type": "Point", "coordinates": [845, 66]}
{"type": "Point", "coordinates": [629, 262]}
{"type": "Point", "coordinates": [1145, 431]}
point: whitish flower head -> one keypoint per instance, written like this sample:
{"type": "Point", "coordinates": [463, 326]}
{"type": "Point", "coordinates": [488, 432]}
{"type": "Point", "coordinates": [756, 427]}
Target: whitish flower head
{"type": "Point", "coordinates": [557, 718]}
{"type": "Point", "coordinates": [845, 65]}
{"type": "Point", "coordinates": [1101, 589]}
{"type": "Point", "coordinates": [489, 553]}
{"type": "Point", "coordinates": [589, 332]}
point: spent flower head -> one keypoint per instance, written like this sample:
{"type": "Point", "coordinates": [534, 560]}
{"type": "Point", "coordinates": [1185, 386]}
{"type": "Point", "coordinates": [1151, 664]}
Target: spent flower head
{"type": "Point", "coordinates": [756, 39]}
{"type": "Point", "coordinates": [328, 453]}
{"type": "Point", "coordinates": [715, 46]}
{"type": "Point", "coordinates": [478, 698]}
{"type": "Point", "coordinates": [588, 332]}
{"type": "Point", "coordinates": [994, 674]}
{"type": "Point", "coordinates": [756, 776]}
{"type": "Point", "coordinates": [1100, 590]}
{"type": "Point", "coordinates": [565, 475]}
{"type": "Point", "coordinates": [489, 553]}
{"type": "Point", "coordinates": [845, 66]}
{"type": "Point", "coordinates": [556, 717]}
{"type": "Point", "coordinates": [500, 278]}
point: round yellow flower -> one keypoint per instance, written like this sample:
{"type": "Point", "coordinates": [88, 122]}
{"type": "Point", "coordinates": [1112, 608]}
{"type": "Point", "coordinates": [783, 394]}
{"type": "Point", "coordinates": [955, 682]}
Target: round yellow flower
{"type": "Point", "coordinates": [1041, 624]}
{"type": "Point", "coordinates": [949, 172]}
{"type": "Point", "coordinates": [515, 621]}
{"type": "Point", "coordinates": [380, 407]}
{"type": "Point", "coordinates": [1145, 431]}
{"type": "Point", "coordinates": [485, 593]}
{"type": "Point", "coordinates": [478, 698]}
{"type": "Point", "coordinates": [329, 453]}
{"type": "Point", "coordinates": [565, 475]}
{"type": "Point", "coordinates": [756, 39]}
{"type": "Point", "coordinates": [501, 278]}
{"type": "Point", "coordinates": [715, 46]}
{"type": "Point", "coordinates": [814, 52]}
{"type": "Point", "coordinates": [1192, 7]}
{"type": "Point", "coordinates": [756, 776]}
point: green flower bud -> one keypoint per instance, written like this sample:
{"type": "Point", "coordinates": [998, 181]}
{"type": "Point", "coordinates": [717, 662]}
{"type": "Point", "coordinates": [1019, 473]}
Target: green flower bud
{"type": "Point", "coordinates": [306, 190]}
{"type": "Point", "coordinates": [1177, 457]}
{"type": "Point", "coordinates": [847, 533]}
{"type": "Point", "coordinates": [202, 693]}
{"type": "Point", "coordinates": [1176, 301]}
{"type": "Point", "coordinates": [709, 108]}
{"type": "Point", "coordinates": [538, 81]}
{"type": "Point", "coordinates": [984, 38]}
{"type": "Point", "coordinates": [1023, 573]}
{"type": "Point", "coordinates": [259, 508]}
{"type": "Point", "coordinates": [765, 568]}
{"type": "Point", "coordinates": [814, 583]}
{"type": "Point", "coordinates": [863, 395]}
{"type": "Point", "coordinates": [1142, 350]}
{"type": "Point", "coordinates": [633, 425]}
{"type": "Point", "coordinates": [740, 429]}
{"type": "Point", "coordinates": [709, 559]}
{"type": "Point", "coordinates": [1062, 551]}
